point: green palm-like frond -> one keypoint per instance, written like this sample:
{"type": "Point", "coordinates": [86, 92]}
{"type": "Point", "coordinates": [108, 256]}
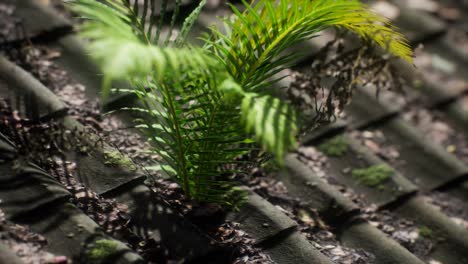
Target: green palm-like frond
{"type": "Point", "coordinates": [145, 22]}
{"type": "Point", "coordinates": [202, 108]}
{"type": "Point", "coordinates": [272, 121]}
{"type": "Point", "coordinates": [118, 46]}
{"type": "Point", "coordinates": [194, 134]}
{"type": "Point", "coordinates": [253, 51]}
{"type": "Point", "coordinates": [188, 24]}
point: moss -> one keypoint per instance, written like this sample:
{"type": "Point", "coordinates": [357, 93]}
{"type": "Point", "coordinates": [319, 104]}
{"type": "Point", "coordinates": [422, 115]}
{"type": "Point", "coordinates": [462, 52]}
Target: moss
{"type": "Point", "coordinates": [425, 231]}
{"type": "Point", "coordinates": [374, 175]}
{"type": "Point", "coordinates": [101, 250]}
{"type": "Point", "coordinates": [418, 84]}
{"type": "Point", "coordinates": [335, 147]}
{"type": "Point", "coordinates": [115, 158]}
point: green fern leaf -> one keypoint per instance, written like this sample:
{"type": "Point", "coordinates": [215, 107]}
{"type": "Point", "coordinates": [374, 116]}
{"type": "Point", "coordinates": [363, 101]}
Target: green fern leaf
{"type": "Point", "coordinates": [267, 28]}
{"type": "Point", "coordinates": [272, 121]}
{"type": "Point", "coordinates": [121, 53]}
{"type": "Point", "coordinates": [188, 24]}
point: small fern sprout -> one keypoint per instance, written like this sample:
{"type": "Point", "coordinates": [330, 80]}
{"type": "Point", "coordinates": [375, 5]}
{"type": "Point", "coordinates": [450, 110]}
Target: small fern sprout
{"type": "Point", "coordinates": [205, 107]}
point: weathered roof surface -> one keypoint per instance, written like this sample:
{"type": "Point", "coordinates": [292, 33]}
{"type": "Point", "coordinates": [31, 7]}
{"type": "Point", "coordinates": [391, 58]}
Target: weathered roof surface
{"type": "Point", "coordinates": [419, 146]}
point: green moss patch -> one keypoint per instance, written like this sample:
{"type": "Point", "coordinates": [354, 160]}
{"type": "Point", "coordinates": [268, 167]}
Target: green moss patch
{"type": "Point", "coordinates": [335, 147]}
{"type": "Point", "coordinates": [115, 158]}
{"type": "Point", "coordinates": [374, 175]}
{"type": "Point", "coordinates": [101, 250]}
{"type": "Point", "coordinates": [425, 231]}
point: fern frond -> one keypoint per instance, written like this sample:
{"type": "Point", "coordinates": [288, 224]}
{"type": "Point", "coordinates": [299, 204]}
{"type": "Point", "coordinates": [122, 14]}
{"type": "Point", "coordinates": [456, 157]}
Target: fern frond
{"type": "Point", "coordinates": [143, 21]}
{"type": "Point", "coordinates": [122, 54]}
{"type": "Point", "coordinates": [188, 24]}
{"type": "Point", "coordinates": [191, 129]}
{"type": "Point", "coordinates": [261, 33]}
{"type": "Point", "coordinates": [272, 121]}
{"type": "Point", "coordinates": [202, 108]}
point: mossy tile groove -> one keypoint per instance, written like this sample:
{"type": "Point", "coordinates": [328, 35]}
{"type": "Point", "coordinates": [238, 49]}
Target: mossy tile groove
{"type": "Point", "coordinates": [104, 178]}
{"type": "Point", "coordinates": [450, 240]}
{"type": "Point", "coordinates": [357, 234]}
{"type": "Point", "coordinates": [335, 147]}
{"type": "Point", "coordinates": [373, 176]}
{"type": "Point", "coordinates": [68, 229]}
{"type": "Point", "coordinates": [99, 173]}
{"type": "Point", "coordinates": [367, 174]}
{"type": "Point", "coordinates": [427, 165]}
{"type": "Point", "coordinates": [426, 162]}
{"type": "Point", "coordinates": [106, 250]}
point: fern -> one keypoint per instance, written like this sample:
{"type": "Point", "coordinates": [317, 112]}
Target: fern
{"type": "Point", "coordinates": [203, 107]}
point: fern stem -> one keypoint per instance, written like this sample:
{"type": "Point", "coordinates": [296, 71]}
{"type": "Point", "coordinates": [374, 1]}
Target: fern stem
{"type": "Point", "coordinates": [210, 155]}
{"type": "Point", "coordinates": [181, 153]}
